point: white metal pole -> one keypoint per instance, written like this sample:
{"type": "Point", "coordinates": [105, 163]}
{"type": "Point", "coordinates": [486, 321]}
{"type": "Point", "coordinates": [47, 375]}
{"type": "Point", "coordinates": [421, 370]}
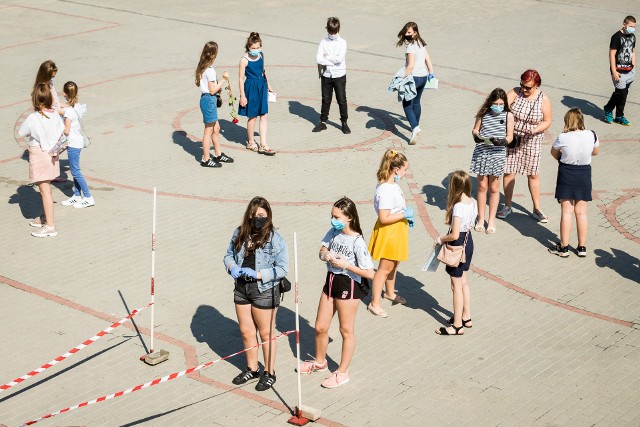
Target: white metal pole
{"type": "Point", "coordinates": [153, 268]}
{"type": "Point", "coordinates": [295, 266]}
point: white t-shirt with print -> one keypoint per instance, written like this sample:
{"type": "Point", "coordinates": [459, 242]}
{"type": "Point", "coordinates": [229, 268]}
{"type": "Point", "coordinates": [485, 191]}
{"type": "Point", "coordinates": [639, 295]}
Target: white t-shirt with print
{"type": "Point", "coordinates": [467, 212]}
{"type": "Point", "coordinates": [420, 56]}
{"type": "Point", "coordinates": [209, 75]}
{"type": "Point", "coordinates": [389, 196]}
{"type": "Point", "coordinates": [352, 248]}
{"type": "Point", "coordinates": [576, 147]}
{"type": "Point", "coordinates": [74, 114]}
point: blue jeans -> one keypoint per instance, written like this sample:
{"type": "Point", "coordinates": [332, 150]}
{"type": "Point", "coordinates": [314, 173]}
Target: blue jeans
{"type": "Point", "coordinates": [80, 186]}
{"type": "Point", "coordinates": [412, 108]}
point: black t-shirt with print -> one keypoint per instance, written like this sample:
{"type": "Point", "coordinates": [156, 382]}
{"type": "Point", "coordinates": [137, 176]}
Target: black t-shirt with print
{"type": "Point", "coordinates": [623, 45]}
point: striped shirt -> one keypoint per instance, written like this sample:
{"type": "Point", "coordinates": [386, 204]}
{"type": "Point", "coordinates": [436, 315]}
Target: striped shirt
{"type": "Point", "coordinates": [494, 125]}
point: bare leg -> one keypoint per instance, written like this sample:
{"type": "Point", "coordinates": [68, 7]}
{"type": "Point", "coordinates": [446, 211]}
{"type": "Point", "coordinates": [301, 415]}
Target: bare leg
{"type": "Point", "coordinates": [580, 209]}
{"type": "Point", "coordinates": [482, 197]}
{"type": "Point", "coordinates": [466, 295]}
{"type": "Point", "coordinates": [534, 189]}
{"type": "Point", "coordinates": [458, 304]}
{"type": "Point", "coordinates": [494, 199]}
{"type": "Point", "coordinates": [215, 138]}
{"type": "Point", "coordinates": [508, 183]}
{"type": "Point", "coordinates": [347, 310]}
{"type": "Point", "coordinates": [206, 140]}
{"type": "Point", "coordinates": [266, 322]}
{"type": "Point", "coordinates": [248, 332]}
{"type": "Point", "coordinates": [390, 283]}
{"type": "Point", "coordinates": [251, 123]}
{"type": "Point", "coordinates": [264, 124]}
{"type": "Point", "coordinates": [385, 267]}
{"type": "Point", "coordinates": [326, 310]}
{"type": "Point", "coordinates": [566, 220]}
{"type": "Point", "coordinates": [47, 201]}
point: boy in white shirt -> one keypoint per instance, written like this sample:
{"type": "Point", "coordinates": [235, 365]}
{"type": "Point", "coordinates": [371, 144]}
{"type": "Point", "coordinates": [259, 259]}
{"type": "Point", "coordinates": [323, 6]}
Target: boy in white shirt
{"type": "Point", "coordinates": [332, 67]}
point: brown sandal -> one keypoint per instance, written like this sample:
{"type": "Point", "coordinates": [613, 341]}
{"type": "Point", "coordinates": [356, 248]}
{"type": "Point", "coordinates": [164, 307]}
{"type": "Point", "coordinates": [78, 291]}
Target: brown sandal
{"type": "Point", "coordinates": [252, 147]}
{"type": "Point", "coordinates": [262, 149]}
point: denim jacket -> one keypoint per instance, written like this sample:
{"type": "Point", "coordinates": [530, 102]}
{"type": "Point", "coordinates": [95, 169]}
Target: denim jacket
{"type": "Point", "coordinates": [272, 259]}
{"type": "Point", "coordinates": [405, 86]}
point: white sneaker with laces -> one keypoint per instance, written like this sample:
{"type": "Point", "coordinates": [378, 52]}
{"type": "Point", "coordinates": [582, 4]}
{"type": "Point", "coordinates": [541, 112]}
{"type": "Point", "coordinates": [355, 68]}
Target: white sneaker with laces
{"type": "Point", "coordinates": [415, 134]}
{"type": "Point", "coordinates": [85, 203]}
{"type": "Point", "coordinates": [71, 200]}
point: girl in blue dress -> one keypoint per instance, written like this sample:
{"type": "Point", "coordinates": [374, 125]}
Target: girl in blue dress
{"type": "Point", "coordinates": [254, 92]}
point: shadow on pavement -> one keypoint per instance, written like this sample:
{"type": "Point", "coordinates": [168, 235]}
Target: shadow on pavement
{"type": "Point", "coordinates": [624, 264]}
{"type": "Point", "coordinates": [220, 333]}
{"type": "Point", "coordinates": [419, 299]}
{"type": "Point", "coordinates": [588, 108]}
{"type": "Point", "coordinates": [382, 119]}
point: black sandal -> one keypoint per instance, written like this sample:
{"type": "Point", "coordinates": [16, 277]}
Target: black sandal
{"type": "Point", "coordinates": [443, 330]}
{"type": "Point", "coordinates": [464, 322]}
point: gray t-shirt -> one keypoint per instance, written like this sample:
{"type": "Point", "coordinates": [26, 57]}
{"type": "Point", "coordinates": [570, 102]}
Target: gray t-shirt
{"type": "Point", "coordinates": [352, 248]}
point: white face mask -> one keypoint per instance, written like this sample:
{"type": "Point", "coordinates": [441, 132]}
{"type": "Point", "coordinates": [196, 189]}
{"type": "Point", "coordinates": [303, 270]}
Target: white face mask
{"type": "Point", "coordinates": [333, 36]}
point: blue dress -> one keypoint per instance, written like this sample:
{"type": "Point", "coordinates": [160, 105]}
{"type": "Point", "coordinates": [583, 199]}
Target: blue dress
{"type": "Point", "coordinates": [255, 89]}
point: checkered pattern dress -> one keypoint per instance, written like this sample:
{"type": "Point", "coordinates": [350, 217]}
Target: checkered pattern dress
{"type": "Point", "coordinates": [525, 159]}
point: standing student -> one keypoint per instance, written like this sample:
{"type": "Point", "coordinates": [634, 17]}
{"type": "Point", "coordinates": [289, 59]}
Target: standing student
{"type": "Point", "coordinates": [622, 65]}
{"type": "Point", "coordinates": [254, 93]}
{"type": "Point", "coordinates": [460, 215]}
{"type": "Point", "coordinates": [73, 113]}
{"type": "Point", "coordinates": [258, 260]}
{"type": "Point", "coordinates": [207, 81]}
{"type": "Point", "coordinates": [573, 149]}
{"type": "Point", "coordinates": [44, 128]}
{"type": "Point", "coordinates": [418, 64]}
{"type": "Point", "coordinates": [348, 261]}
{"type": "Point", "coordinates": [390, 237]}
{"type": "Point", "coordinates": [331, 59]}
{"type": "Point", "coordinates": [494, 120]}
{"type": "Point", "coordinates": [532, 112]}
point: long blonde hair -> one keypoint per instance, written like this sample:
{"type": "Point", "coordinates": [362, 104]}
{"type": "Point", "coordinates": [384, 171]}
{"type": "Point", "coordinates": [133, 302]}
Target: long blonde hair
{"type": "Point", "coordinates": [390, 160]}
{"type": "Point", "coordinates": [208, 55]}
{"type": "Point", "coordinates": [459, 183]}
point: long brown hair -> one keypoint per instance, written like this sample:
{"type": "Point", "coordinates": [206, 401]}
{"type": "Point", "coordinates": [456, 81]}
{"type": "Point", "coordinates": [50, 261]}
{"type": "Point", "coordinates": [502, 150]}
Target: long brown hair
{"type": "Point", "coordinates": [249, 236]}
{"type": "Point", "coordinates": [41, 98]}
{"type": "Point", "coordinates": [390, 160]}
{"type": "Point", "coordinates": [208, 55]}
{"type": "Point", "coordinates": [348, 208]}
{"type": "Point", "coordinates": [45, 72]}
{"type": "Point", "coordinates": [71, 90]}
{"type": "Point", "coordinates": [497, 93]}
{"type": "Point", "coordinates": [416, 37]}
{"type": "Point", "coordinates": [459, 183]}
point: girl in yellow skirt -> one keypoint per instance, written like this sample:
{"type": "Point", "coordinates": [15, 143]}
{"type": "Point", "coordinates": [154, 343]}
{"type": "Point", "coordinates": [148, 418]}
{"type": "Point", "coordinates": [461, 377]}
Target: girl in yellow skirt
{"type": "Point", "coordinates": [390, 237]}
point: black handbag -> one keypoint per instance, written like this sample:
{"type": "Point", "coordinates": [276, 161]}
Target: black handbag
{"type": "Point", "coordinates": [218, 101]}
{"type": "Point", "coordinates": [365, 284]}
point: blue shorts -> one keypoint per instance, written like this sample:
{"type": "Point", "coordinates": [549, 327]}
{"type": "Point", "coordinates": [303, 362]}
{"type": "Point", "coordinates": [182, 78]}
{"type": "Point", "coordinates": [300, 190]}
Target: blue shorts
{"type": "Point", "coordinates": [209, 108]}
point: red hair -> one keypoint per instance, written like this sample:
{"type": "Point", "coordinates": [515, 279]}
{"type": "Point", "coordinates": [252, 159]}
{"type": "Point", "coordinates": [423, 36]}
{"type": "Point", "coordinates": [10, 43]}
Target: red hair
{"type": "Point", "coordinates": [531, 75]}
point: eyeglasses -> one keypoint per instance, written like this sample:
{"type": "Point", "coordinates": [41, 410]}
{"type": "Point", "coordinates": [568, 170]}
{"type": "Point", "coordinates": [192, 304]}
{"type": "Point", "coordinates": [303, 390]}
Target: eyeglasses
{"type": "Point", "coordinates": [526, 87]}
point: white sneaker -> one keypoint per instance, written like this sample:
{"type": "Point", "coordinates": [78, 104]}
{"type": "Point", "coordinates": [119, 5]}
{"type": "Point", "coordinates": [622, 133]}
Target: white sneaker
{"type": "Point", "coordinates": [415, 134]}
{"type": "Point", "coordinates": [85, 203]}
{"type": "Point", "coordinates": [45, 231]}
{"type": "Point", "coordinates": [71, 200]}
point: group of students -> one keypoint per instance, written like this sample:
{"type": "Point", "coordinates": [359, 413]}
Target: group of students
{"type": "Point", "coordinates": [256, 91]}
{"type": "Point", "coordinates": [50, 125]}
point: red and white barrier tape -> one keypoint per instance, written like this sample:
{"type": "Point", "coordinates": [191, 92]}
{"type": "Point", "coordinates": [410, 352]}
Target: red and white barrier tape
{"type": "Point", "coordinates": [151, 383]}
{"type": "Point", "coordinates": [72, 351]}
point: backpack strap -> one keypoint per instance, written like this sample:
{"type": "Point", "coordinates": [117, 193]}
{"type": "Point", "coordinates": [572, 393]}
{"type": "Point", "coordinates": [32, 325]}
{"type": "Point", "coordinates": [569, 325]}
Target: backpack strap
{"type": "Point", "coordinates": [595, 137]}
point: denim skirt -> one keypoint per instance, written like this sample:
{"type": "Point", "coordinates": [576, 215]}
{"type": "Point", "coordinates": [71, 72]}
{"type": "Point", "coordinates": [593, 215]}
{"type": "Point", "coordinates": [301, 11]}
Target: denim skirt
{"type": "Point", "coordinates": [209, 108]}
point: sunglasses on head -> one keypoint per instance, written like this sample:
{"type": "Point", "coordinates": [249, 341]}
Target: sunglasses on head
{"type": "Point", "coordinates": [526, 87]}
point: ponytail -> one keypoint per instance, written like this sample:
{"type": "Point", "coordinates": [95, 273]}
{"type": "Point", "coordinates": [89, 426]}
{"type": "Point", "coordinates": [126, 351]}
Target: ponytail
{"type": "Point", "coordinates": [391, 160]}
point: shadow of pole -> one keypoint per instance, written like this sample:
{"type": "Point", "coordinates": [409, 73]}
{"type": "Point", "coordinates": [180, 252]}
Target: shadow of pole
{"type": "Point", "coordinates": [133, 322]}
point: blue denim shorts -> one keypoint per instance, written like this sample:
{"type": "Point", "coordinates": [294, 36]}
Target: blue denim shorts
{"type": "Point", "coordinates": [209, 108]}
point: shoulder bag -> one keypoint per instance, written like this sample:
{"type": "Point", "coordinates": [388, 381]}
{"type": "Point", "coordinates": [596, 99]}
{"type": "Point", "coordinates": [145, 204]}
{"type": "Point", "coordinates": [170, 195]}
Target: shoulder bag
{"type": "Point", "coordinates": [517, 139]}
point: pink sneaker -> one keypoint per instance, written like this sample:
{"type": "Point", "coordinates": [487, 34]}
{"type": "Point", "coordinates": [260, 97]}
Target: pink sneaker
{"type": "Point", "coordinates": [310, 366]}
{"type": "Point", "coordinates": [335, 380]}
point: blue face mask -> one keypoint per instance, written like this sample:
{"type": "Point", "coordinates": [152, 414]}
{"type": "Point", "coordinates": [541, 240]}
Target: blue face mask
{"type": "Point", "coordinates": [255, 52]}
{"type": "Point", "coordinates": [630, 30]}
{"type": "Point", "coordinates": [497, 108]}
{"type": "Point", "coordinates": [337, 224]}
{"type": "Point", "coordinates": [396, 178]}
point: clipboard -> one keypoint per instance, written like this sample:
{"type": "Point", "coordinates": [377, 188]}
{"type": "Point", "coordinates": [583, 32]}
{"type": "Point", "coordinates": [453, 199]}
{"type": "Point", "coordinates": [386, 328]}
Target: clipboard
{"type": "Point", "coordinates": [432, 260]}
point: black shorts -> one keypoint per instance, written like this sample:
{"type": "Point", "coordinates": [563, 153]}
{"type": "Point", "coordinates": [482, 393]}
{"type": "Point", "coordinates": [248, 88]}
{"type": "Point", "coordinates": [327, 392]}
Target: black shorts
{"type": "Point", "coordinates": [248, 293]}
{"type": "Point", "coordinates": [342, 287]}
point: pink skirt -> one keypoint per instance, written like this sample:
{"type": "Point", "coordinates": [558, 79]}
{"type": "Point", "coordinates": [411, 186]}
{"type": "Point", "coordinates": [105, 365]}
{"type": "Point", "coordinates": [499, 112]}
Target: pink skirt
{"type": "Point", "coordinates": [42, 167]}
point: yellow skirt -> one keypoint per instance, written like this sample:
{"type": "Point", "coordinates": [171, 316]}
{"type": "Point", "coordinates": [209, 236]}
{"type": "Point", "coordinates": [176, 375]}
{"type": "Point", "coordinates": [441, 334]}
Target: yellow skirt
{"type": "Point", "coordinates": [390, 241]}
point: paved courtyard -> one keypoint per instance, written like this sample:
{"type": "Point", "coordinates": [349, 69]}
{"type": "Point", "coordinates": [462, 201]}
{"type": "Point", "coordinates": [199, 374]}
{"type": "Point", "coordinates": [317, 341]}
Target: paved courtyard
{"type": "Point", "coordinates": [555, 341]}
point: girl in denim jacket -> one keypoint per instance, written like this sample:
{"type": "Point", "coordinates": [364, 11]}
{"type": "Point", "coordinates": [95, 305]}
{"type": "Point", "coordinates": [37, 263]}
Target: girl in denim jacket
{"type": "Point", "coordinates": [257, 259]}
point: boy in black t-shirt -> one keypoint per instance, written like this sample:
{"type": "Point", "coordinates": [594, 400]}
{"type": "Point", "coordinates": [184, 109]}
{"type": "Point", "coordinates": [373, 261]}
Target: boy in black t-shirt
{"type": "Point", "coordinates": [622, 64]}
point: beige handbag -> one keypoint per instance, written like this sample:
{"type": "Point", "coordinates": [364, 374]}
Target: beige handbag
{"type": "Point", "coordinates": [453, 256]}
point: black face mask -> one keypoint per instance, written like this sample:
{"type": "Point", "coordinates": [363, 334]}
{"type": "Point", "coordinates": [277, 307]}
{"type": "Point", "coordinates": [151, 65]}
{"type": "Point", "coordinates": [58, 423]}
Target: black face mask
{"type": "Point", "coordinates": [408, 38]}
{"type": "Point", "coordinates": [258, 222]}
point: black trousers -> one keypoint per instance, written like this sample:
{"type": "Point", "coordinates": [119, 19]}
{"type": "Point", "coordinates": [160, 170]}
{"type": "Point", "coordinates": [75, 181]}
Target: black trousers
{"type": "Point", "coordinates": [329, 85]}
{"type": "Point", "coordinates": [618, 100]}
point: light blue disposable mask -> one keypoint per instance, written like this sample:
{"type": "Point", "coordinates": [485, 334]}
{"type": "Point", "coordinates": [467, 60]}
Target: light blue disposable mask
{"type": "Point", "coordinates": [497, 108]}
{"type": "Point", "coordinates": [396, 178]}
{"type": "Point", "coordinates": [255, 52]}
{"type": "Point", "coordinates": [630, 30]}
{"type": "Point", "coordinates": [333, 36]}
{"type": "Point", "coordinates": [337, 224]}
